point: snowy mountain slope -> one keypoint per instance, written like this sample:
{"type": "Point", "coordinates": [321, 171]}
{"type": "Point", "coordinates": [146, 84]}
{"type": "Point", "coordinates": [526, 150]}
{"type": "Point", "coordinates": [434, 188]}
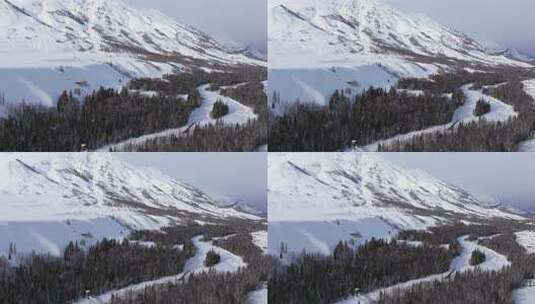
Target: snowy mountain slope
{"type": "Point", "coordinates": [70, 38]}
{"type": "Point", "coordinates": [47, 200]}
{"type": "Point", "coordinates": [317, 199]}
{"type": "Point", "coordinates": [375, 43]}
{"type": "Point", "coordinates": [331, 32]}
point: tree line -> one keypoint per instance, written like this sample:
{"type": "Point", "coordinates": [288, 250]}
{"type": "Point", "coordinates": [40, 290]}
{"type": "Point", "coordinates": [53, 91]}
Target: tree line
{"type": "Point", "coordinates": [481, 136]}
{"type": "Point", "coordinates": [211, 287]}
{"type": "Point", "coordinates": [107, 265]}
{"type": "Point", "coordinates": [373, 115]}
{"type": "Point", "coordinates": [314, 278]}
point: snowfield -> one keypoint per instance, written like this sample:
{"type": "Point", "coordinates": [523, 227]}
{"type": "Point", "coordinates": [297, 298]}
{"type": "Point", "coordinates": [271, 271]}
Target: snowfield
{"type": "Point", "coordinates": [493, 262]}
{"type": "Point", "coordinates": [238, 114]}
{"type": "Point", "coordinates": [524, 295]}
{"type": "Point", "coordinates": [499, 112]}
{"type": "Point", "coordinates": [526, 239]}
{"type": "Point", "coordinates": [529, 87]}
{"type": "Point", "coordinates": [259, 296]}
{"type": "Point", "coordinates": [229, 263]}
{"type": "Point", "coordinates": [260, 239]}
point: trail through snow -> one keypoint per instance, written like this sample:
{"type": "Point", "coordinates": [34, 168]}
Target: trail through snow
{"type": "Point", "coordinates": [259, 296]}
{"type": "Point", "coordinates": [229, 263]}
{"type": "Point", "coordinates": [238, 114]}
{"type": "Point", "coordinates": [528, 145]}
{"type": "Point", "coordinates": [499, 112]}
{"type": "Point", "coordinates": [493, 262]}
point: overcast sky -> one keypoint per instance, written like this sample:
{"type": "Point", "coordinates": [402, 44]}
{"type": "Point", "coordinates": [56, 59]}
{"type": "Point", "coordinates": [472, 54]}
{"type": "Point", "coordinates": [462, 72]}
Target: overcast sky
{"type": "Point", "coordinates": [242, 22]}
{"type": "Point", "coordinates": [504, 177]}
{"type": "Point", "coordinates": [238, 176]}
{"type": "Point", "coordinates": [510, 23]}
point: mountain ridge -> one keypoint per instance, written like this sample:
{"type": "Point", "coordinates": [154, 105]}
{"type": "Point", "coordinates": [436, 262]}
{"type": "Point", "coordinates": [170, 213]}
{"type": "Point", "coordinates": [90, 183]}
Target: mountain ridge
{"type": "Point", "coordinates": [326, 187]}
{"type": "Point", "coordinates": [361, 32]}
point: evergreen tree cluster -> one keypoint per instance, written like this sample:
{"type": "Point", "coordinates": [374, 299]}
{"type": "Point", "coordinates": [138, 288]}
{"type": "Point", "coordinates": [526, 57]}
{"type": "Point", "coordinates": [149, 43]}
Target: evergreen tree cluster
{"type": "Point", "coordinates": [106, 116]}
{"type": "Point", "coordinates": [477, 286]}
{"type": "Point", "coordinates": [212, 287]}
{"type": "Point", "coordinates": [482, 108]}
{"type": "Point", "coordinates": [481, 136]}
{"type": "Point", "coordinates": [216, 137]}
{"type": "Point", "coordinates": [373, 115]}
{"type": "Point", "coordinates": [219, 110]}
{"type": "Point", "coordinates": [212, 259]}
{"type": "Point", "coordinates": [314, 278]}
{"type": "Point", "coordinates": [477, 257]}
{"type": "Point", "coordinates": [107, 265]}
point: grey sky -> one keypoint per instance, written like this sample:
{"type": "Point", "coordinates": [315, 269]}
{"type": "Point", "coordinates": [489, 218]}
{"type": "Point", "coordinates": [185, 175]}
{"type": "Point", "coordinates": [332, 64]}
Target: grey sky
{"type": "Point", "coordinates": [238, 176]}
{"type": "Point", "coordinates": [505, 177]}
{"type": "Point", "coordinates": [242, 22]}
{"type": "Point", "coordinates": [509, 23]}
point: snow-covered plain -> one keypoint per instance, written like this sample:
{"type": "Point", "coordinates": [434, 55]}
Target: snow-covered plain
{"type": "Point", "coordinates": [499, 112]}
{"type": "Point", "coordinates": [323, 236]}
{"type": "Point", "coordinates": [238, 114]}
{"type": "Point", "coordinates": [229, 263]}
{"type": "Point", "coordinates": [493, 262]}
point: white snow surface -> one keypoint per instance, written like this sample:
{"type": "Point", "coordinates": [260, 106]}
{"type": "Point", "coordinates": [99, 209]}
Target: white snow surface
{"type": "Point", "coordinates": [493, 262]}
{"type": "Point", "coordinates": [238, 114]}
{"type": "Point", "coordinates": [370, 42]}
{"type": "Point", "coordinates": [259, 296]}
{"type": "Point", "coordinates": [317, 199]}
{"type": "Point", "coordinates": [260, 239]}
{"type": "Point", "coordinates": [354, 186]}
{"type": "Point", "coordinates": [195, 265]}
{"type": "Point", "coordinates": [499, 112]}
{"type": "Point", "coordinates": [49, 199]}
{"type": "Point", "coordinates": [529, 87]}
{"type": "Point", "coordinates": [51, 44]}
{"type": "Point", "coordinates": [526, 239]}
{"type": "Point", "coordinates": [327, 33]}
{"type": "Point", "coordinates": [524, 295]}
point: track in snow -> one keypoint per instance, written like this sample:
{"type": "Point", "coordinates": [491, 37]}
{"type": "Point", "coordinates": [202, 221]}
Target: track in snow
{"type": "Point", "coordinates": [229, 263]}
{"type": "Point", "coordinates": [238, 114]}
{"type": "Point", "coordinates": [499, 112]}
{"type": "Point", "coordinates": [493, 262]}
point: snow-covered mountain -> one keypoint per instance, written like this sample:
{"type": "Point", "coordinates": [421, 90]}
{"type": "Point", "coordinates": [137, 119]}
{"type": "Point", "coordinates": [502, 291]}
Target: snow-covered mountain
{"type": "Point", "coordinates": [317, 199]}
{"type": "Point", "coordinates": [53, 198]}
{"type": "Point", "coordinates": [47, 44]}
{"type": "Point", "coordinates": [328, 186]}
{"type": "Point", "coordinates": [314, 33]}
